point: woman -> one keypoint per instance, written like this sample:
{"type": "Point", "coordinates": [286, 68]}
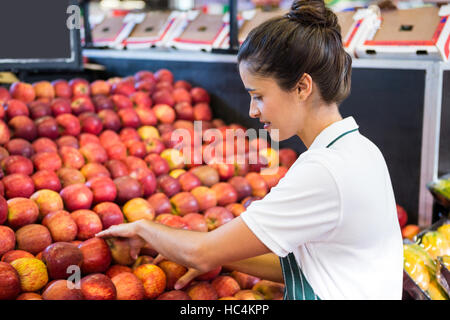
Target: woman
{"type": "Point", "coordinates": [332, 218]}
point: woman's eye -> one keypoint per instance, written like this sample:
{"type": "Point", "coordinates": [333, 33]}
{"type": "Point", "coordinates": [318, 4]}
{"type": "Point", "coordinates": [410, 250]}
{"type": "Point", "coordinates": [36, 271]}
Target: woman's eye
{"type": "Point", "coordinates": [257, 97]}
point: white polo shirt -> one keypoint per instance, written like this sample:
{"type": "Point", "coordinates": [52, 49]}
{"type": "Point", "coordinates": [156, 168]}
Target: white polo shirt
{"type": "Point", "coordinates": [335, 210]}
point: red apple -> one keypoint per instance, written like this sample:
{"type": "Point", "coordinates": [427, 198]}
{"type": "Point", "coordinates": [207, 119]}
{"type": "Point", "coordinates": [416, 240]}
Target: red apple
{"type": "Point", "coordinates": [97, 286]}
{"type": "Point", "coordinates": [96, 255]}
{"type": "Point", "coordinates": [225, 193]}
{"type": "Point", "coordinates": [269, 289]}
{"type": "Point", "coordinates": [145, 85]}
{"type": "Point", "coordinates": [109, 213]}
{"type": "Point", "coordinates": [61, 225]}
{"type": "Point", "coordinates": [124, 87]}
{"type": "Point", "coordinates": [94, 152]}
{"type": "Point", "coordinates": [244, 280]}
{"type": "Point", "coordinates": [70, 176]}
{"type": "Point", "coordinates": [29, 296]}
{"type": "Point", "coordinates": [157, 164]}
{"type": "Point", "coordinates": [94, 169]}
{"type": "Point", "coordinates": [181, 95]}
{"type": "Point", "coordinates": [116, 269]}
{"type": "Point", "coordinates": [47, 127]}
{"type": "Point", "coordinates": [402, 216]}
{"type": "Point", "coordinates": [15, 108]}
{"type": "Point", "coordinates": [137, 209]}
{"type": "Point", "coordinates": [19, 147]}
{"type": "Point", "coordinates": [108, 138]}
{"type": "Point", "coordinates": [248, 295]}
{"type": "Point", "coordinates": [23, 127]}
{"type": "Point", "coordinates": [160, 202]}
{"type": "Point", "coordinates": [9, 282]}
{"type": "Point", "coordinates": [136, 148]}
{"type": "Point", "coordinates": [258, 184]}
{"type": "Point", "coordinates": [173, 271]}
{"type": "Point", "coordinates": [100, 87]}
{"type": "Point", "coordinates": [129, 134]}
{"type": "Point", "coordinates": [39, 109]}
{"type": "Point", "coordinates": [196, 222]}
{"type": "Point", "coordinates": [77, 196]}
{"type": "Point", "coordinates": [44, 145]}
{"type": "Point", "coordinates": [45, 179]}
{"type": "Point", "coordinates": [164, 75]}
{"type": "Point", "coordinates": [44, 89]}
{"type": "Point", "coordinates": [146, 178]}
{"type": "Point", "coordinates": [33, 238]}
{"type": "Point", "coordinates": [154, 145]}
{"type": "Point", "coordinates": [144, 75]}
{"type": "Point", "coordinates": [85, 138]}
{"type": "Point", "coordinates": [146, 116]}
{"type": "Point", "coordinates": [174, 295]}
{"type": "Point", "coordinates": [168, 185]}
{"type": "Point", "coordinates": [68, 124]}
{"type": "Point", "coordinates": [59, 256]}
{"type": "Point", "coordinates": [88, 223]}
{"type": "Point", "coordinates": [183, 203]}
{"type": "Point", "coordinates": [202, 291]}
{"type": "Point", "coordinates": [225, 286]}
{"type": "Point", "coordinates": [207, 175]}
{"type": "Point", "coordinates": [242, 187]}
{"type": "Point", "coordinates": [127, 188]}
{"type": "Point", "coordinates": [117, 151]}
{"type": "Point", "coordinates": [21, 211]}
{"type": "Point", "coordinates": [18, 185]}
{"type": "Point", "coordinates": [67, 140]}
{"type": "Point", "coordinates": [90, 123]}
{"type": "Point", "coordinates": [236, 208]}
{"type": "Point", "coordinates": [71, 157]}
{"type": "Point", "coordinates": [117, 168]}
{"type": "Point", "coordinates": [202, 111]}
{"type": "Point", "coordinates": [172, 221]}
{"type": "Point", "coordinates": [184, 111]}
{"type": "Point", "coordinates": [189, 181]}
{"type": "Point", "coordinates": [48, 201]}
{"type": "Point", "coordinates": [3, 210]}
{"type": "Point", "coordinates": [17, 164]}
{"type": "Point", "coordinates": [182, 84]}
{"type": "Point", "coordinates": [4, 95]}
{"type": "Point", "coordinates": [7, 239]}
{"type": "Point", "coordinates": [22, 91]}
{"type": "Point", "coordinates": [61, 290]}
{"type": "Point", "coordinates": [12, 255]}
{"type": "Point", "coordinates": [164, 113]}
{"type": "Point", "coordinates": [47, 161]}
{"type": "Point", "coordinates": [62, 89]}
{"type": "Point", "coordinates": [205, 197]}
{"type": "Point", "coordinates": [129, 118]}
{"type": "Point", "coordinates": [5, 134]}
{"type": "Point", "coordinates": [103, 189]}
{"type": "Point", "coordinates": [287, 157]}
{"type": "Point", "coordinates": [128, 286]}
{"type": "Point", "coordinates": [217, 216]}
{"type": "Point", "coordinates": [79, 87]}
{"type": "Point", "coordinates": [141, 99]}
{"type": "Point", "coordinates": [82, 104]}
{"type": "Point", "coordinates": [60, 106]}
{"type": "Point", "coordinates": [199, 95]}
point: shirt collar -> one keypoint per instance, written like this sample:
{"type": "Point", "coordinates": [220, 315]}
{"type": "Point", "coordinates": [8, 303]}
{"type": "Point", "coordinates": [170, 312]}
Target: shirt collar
{"type": "Point", "coordinates": [333, 131]}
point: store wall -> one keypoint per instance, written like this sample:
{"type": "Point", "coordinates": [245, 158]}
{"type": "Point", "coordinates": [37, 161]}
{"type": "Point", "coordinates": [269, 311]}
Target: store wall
{"type": "Point", "coordinates": [444, 141]}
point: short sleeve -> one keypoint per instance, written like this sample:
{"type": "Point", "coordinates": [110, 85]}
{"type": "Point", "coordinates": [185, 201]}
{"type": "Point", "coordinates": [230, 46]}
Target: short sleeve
{"type": "Point", "coordinates": [303, 207]}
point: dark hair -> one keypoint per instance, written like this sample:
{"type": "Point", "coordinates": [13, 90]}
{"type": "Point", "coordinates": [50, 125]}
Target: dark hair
{"type": "Point", "coordinates": [305, 40]}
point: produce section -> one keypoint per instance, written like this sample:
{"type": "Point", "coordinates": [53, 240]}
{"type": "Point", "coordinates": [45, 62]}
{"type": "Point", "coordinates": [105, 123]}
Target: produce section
{"type": "Point", "coordinates": [79, 157]}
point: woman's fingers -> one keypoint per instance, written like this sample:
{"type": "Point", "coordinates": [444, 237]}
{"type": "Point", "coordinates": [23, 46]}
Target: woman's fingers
{"type": "Point", "coordinates": [186, 278]}
{"type": "Point", "coordinates": [158, 259]}
{"type": "Point", "coordinates": [121, 230]}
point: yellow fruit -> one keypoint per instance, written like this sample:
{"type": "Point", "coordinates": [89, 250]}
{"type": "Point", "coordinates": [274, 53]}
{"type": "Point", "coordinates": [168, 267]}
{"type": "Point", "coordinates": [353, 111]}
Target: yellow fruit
{"type": "Point", "coordinates": [435, 292]}
{"type": "Point", "coordinates": [446, 261]}
{"type": "Point", "coordinates": [445, 231]}
{"type": "Point", "coordinates": [414, 253]}
{"type": "Point", "coordinates": [419, 273]}
{"type": "Point", "coordinates": [32, 273]}
{"type": "Point", "coordinates": [174, 158]}
{"type": "Point", "coordinates": [176, 173]}
{"type": "Point", "coordinates": [435, 244]}
{"type": "Point", "coordinates": [148, 132]}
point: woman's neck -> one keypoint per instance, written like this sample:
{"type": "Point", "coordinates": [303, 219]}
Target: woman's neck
{"type": "Point", "coordinates": [316, 121]}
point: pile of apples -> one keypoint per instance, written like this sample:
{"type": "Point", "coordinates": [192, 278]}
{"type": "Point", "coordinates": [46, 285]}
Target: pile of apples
{"type": "Point", "coordinates": [77, 157]}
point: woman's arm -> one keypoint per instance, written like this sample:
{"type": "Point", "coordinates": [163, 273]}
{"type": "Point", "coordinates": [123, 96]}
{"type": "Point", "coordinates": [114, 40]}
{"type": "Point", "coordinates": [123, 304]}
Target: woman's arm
{"type": "Point", "coordinates": [266, 266]}
{"type": "Point", "coordinates": [203, 251]}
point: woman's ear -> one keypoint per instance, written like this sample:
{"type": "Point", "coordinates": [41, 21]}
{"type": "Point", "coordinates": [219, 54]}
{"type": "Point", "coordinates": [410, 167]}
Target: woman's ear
{"type": "Point", "coordinates": [304, 87]}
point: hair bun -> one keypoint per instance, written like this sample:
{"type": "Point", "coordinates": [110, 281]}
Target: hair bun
{"type": "Point", "coordinates": [312, 13]}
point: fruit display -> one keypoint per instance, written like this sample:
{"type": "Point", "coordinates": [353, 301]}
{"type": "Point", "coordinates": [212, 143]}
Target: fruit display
{"type": "Point", "coordinates": [78, 157]}
{"type": "Point", "coordinates": [426, 260]}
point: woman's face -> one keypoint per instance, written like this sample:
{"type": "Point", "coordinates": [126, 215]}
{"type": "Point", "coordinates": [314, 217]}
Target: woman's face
{"type": "Point", "coordinates": [277, 109]}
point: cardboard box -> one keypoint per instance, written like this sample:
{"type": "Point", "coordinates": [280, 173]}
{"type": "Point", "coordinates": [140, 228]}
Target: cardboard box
{"type": "Point", "coordinates": [356, 26]}
{"type": "Point", "coordinates": [155, 29]}
{"type": "Point", "coordinates": [111, 32]}
{"type": "Point", "coordinates": [199, 31]}
{"type": "Point", "coordinates": [253, 18]}
{"type": "Point", "coordinates": [420, 33]}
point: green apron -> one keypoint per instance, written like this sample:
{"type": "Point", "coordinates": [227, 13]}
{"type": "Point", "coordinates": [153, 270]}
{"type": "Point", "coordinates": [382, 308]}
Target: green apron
{"type": "Point", "coordinates": [296, 285]}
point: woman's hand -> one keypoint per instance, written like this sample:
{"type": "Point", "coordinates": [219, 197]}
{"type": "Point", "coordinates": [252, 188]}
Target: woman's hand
{"type": "Point", "coordinates": [125, 230]}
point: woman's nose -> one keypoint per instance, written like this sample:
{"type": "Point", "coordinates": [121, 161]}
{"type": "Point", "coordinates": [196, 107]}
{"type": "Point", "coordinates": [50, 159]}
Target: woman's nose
{"type": "Point", "coordinates": [253, 112]}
